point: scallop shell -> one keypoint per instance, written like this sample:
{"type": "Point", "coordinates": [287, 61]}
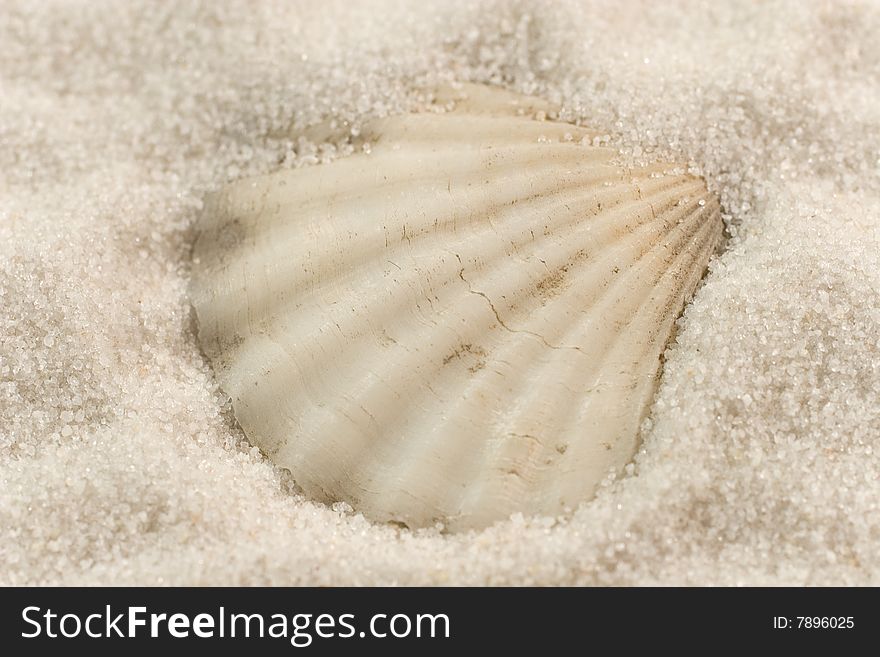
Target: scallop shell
{"type": "Point", "coordinates": [465, 322]}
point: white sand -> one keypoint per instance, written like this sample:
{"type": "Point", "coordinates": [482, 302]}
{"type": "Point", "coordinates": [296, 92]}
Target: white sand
{"type": "Point", "coordinates": [119, 462]}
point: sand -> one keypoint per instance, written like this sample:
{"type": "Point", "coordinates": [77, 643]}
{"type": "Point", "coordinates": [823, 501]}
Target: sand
{"type": "Point", "coordinates": [120, 462]}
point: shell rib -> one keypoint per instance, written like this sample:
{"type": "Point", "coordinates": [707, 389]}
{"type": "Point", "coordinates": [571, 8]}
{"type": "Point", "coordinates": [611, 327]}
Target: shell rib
{"type": "Point", "coordinates": [465, 323]}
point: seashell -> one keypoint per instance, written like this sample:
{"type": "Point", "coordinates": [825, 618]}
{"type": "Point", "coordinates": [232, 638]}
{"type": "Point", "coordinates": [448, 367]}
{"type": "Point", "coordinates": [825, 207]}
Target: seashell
{"type": "Point", "coordinates": [464, 323]}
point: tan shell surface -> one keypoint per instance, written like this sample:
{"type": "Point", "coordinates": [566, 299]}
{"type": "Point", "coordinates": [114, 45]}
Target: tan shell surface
{"type": "Point", "coordinates": [464, 323]}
